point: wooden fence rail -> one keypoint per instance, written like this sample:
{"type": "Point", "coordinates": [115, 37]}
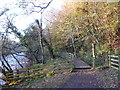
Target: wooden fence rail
{"type": "Point", "coordinates": [114, 61]}
{"type": "Point", "coordinates": [23, 73]}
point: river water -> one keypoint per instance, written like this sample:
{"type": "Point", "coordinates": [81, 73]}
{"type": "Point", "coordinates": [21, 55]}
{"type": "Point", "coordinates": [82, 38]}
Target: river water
{"type": "Point", "coordinates": [13, 63]}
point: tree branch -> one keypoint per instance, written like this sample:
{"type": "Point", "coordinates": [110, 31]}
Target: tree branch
{"type": "Point", "coordinates": [5, 10]}
{"type": "Point", "coordinates": [17, 60]}
{"type": "Point", "coordinates": [41, 8]}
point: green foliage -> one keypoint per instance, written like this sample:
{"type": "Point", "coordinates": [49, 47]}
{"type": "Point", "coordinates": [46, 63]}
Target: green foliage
{"type": "Point", "coordinates": [86, 22]}
{"type": "Point", "coordinates": [42, 76]}
{"type": "Point", "coordinates": [50, 74]}
{"type": "Point", "coordinates": [87, 57]}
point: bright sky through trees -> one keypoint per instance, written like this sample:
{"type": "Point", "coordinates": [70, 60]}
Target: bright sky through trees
{"type": "Point", "coordinates": [23, 21]}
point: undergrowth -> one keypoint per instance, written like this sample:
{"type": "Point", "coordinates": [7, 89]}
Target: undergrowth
{"type": "Point", "coordinates": [99, 60]}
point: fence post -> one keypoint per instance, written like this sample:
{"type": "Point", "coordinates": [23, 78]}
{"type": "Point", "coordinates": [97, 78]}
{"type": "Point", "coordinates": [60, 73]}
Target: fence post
{"type": "Point", "coordinates": [28, 71]}
{"type": "Point", "coordinates": [119, 61]}
{"type": "Point", "coordinates": [119, 70]}
{"type": "Point", "coordinates": [106, 60]}
{"type": "Point", "coordinates": [109, 60]}
{"type": "Point", "coordinates": [17, 72]}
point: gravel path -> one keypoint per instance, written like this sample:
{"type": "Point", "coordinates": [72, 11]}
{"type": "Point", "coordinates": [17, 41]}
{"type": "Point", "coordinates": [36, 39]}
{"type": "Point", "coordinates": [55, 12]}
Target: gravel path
{"type": "Point", "coordinates": [91, 79]}
{"type": "Point", "coordinates": [83, 80]}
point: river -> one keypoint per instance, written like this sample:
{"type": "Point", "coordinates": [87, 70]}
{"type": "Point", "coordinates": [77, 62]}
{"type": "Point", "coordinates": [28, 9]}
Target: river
{"type": "Point", "coordinates": [13, 63]}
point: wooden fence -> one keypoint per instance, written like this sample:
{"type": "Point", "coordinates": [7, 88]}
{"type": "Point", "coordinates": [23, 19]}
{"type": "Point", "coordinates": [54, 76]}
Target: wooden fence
{"type": "Point", "coordinates": [25, 73]}
{"type": "Point", "coordinates": [114, 61]}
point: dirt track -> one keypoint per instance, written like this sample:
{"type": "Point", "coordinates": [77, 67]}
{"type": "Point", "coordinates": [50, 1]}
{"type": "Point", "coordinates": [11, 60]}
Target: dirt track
{"type": "Point", "coordinates": [83, 80]}
{"type": "Point", "coordinates": [91, 79]}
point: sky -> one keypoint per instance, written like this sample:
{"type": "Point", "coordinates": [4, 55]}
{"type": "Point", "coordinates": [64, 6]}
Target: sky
{"type": "Point", "coordinates": [22, 21]}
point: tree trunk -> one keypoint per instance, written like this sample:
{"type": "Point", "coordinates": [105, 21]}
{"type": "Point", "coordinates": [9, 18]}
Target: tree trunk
{"type": "Point", "coordinates": [40, 39]}
{"type": "Point", "coordinates": [5, 66]}
{"type": "Point", "coordinates": [17, 60]}
{"type": "Point", "coordinates": [41, 47]}
{"type": "Point", "coordinates": [32, 53]}
{"type": "Point", "coordinates": [10, 69]}
{"type": "Point", "coordinates": [6, 62]}
{"type": "Point", "coordinates": [93, 52]}
{"type": "Point", "coordinates": [73, 43]}
{"type": "Point", "coordinates": [49, 48]}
